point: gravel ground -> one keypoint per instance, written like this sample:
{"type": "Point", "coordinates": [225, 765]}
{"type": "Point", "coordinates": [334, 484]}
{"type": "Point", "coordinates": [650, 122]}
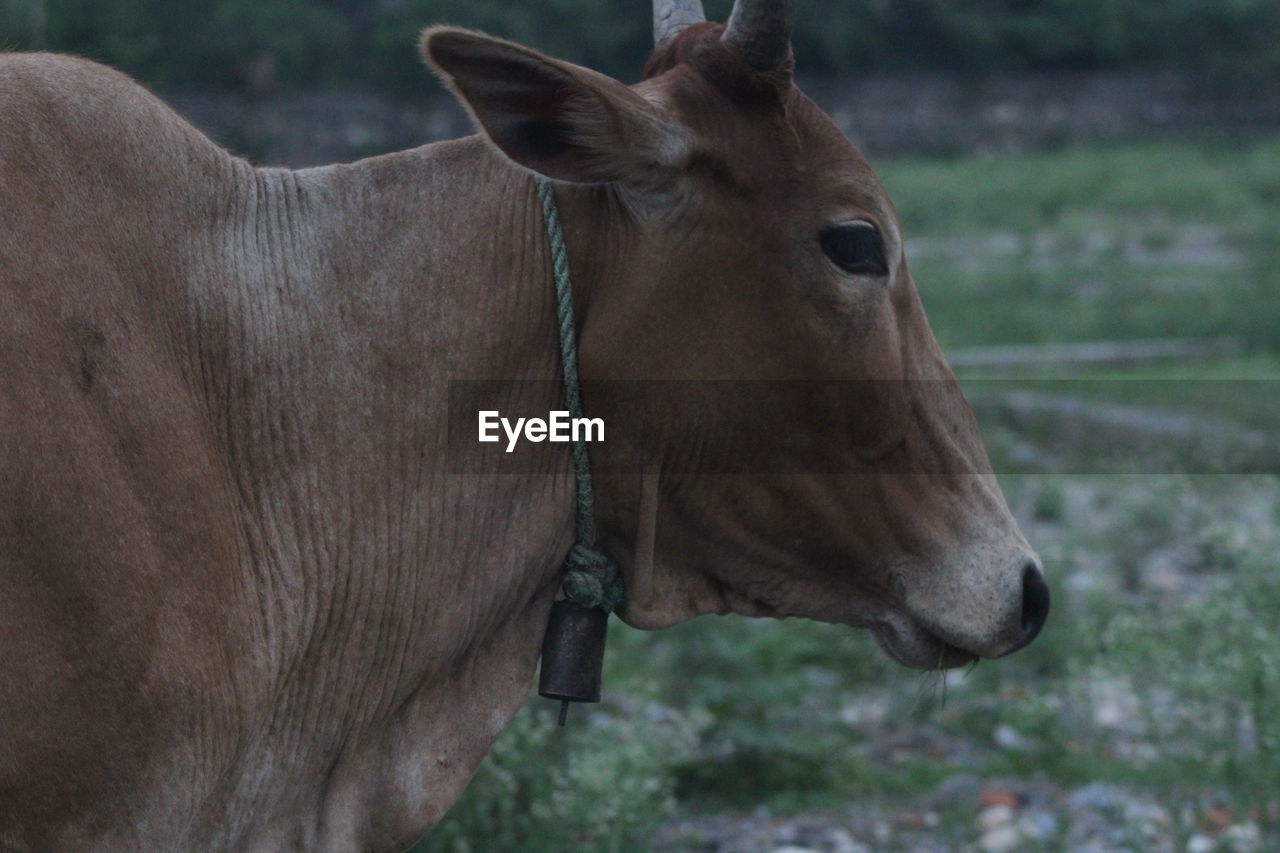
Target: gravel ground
{"type": "Point", "coordinates": [968, 814]}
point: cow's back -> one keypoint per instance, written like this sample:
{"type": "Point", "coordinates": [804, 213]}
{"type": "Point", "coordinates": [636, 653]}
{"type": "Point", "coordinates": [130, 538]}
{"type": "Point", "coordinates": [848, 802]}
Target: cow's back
{"type": "Point", "coordinates": [114, 511]}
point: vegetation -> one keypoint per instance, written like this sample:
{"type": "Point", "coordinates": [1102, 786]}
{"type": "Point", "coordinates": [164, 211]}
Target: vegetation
{"type": "Point", "coordinates": [587, 787]}
{"type": "Point", "coordinates": [230, 43]}
{"type": "Point", "coordinates": [1161, 240]}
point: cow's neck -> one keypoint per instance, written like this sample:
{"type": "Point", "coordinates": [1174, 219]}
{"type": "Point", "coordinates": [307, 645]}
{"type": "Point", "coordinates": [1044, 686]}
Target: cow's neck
{"type": "Point", "coordinates": [403, 599]}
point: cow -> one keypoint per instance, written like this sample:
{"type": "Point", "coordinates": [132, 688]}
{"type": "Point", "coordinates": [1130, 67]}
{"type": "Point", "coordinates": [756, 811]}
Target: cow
{"type": "Point", "coordinates": [243, 604]}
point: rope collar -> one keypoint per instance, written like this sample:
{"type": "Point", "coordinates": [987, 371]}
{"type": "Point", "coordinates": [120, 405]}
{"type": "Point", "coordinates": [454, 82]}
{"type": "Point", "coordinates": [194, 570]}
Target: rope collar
{"type": "Point", "coordinates": [590, 578]}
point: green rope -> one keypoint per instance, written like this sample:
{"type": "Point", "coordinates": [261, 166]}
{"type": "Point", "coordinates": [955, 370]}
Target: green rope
{"type": "Point", "coordinates": [590, 577]}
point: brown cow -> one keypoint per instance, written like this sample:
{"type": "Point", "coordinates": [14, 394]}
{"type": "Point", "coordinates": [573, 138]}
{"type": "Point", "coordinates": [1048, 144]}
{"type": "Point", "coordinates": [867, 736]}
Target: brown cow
{"type": "Point", "coordinates": [242, 606]}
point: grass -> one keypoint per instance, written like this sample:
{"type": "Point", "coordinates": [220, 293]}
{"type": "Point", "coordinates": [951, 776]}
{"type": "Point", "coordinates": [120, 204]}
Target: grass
{"type": "Point", "coordinates": [1074, 190]}
{"type": "Point", "coordinates": [1159, 670]}
{"type": "Point", "coordinates": [1162, 240]}
{"type": "Point", "coordinates": [1147, 241]}
{"type": "Point", "coordinates": [1243, 389]}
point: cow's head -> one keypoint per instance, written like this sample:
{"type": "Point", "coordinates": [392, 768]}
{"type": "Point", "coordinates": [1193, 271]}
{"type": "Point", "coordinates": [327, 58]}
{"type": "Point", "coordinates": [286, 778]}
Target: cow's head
{"type": "Point", "coordinates": [729, 231]}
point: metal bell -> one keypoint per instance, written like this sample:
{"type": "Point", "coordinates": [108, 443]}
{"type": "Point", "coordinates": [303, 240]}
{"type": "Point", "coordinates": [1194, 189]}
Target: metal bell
{"type": "Point", "coordinates": [573, 654]}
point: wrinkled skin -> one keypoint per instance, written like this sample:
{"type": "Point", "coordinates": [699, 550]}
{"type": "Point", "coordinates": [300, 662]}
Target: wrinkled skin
{"type": "Point", "coordinates": [243, 602]}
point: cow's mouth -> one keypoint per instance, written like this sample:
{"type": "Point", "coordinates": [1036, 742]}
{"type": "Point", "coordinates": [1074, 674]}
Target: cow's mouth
{"type": "Point", "coordinates": [913, 646]}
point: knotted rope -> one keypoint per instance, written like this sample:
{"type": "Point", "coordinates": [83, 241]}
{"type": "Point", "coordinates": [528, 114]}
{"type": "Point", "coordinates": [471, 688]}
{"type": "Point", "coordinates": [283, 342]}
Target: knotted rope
{"type": "Point", "coordinates": [590, 577]}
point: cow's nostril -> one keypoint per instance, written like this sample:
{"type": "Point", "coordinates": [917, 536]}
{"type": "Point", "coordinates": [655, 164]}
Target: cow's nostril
{"type": "Point", "coordinates": [1035, 603]}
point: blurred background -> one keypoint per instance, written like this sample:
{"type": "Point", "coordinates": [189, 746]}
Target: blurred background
{"type": "Point", "coordinates": [1090, 191]}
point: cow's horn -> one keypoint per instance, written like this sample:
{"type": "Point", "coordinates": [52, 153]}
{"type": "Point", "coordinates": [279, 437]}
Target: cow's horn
{"type": "Point", "coordinates": [760, 30]}
{"type": "Point", "coordinates": [672, 16]}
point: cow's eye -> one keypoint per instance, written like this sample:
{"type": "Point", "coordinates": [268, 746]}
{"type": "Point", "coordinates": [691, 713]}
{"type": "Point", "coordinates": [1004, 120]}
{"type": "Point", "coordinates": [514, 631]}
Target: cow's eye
{"type": "Point", "coordinates": [855, 247]}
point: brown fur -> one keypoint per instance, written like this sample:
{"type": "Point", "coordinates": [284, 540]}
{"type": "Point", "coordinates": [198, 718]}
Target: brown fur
{"type": "Point", "coordinates": [244, 603]}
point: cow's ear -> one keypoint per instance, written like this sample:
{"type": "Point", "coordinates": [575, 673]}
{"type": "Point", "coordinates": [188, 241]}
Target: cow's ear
{"type": "Point", "coordinates": [557, 119]}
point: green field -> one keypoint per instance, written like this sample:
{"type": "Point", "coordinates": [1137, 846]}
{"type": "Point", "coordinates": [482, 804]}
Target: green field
{"type": "Point", "coordinates": [1147, 717]}
{"type": "Point", "coordinates": [1169, 240]}
{"type": "Point", "coordinates": [1158, 241]}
